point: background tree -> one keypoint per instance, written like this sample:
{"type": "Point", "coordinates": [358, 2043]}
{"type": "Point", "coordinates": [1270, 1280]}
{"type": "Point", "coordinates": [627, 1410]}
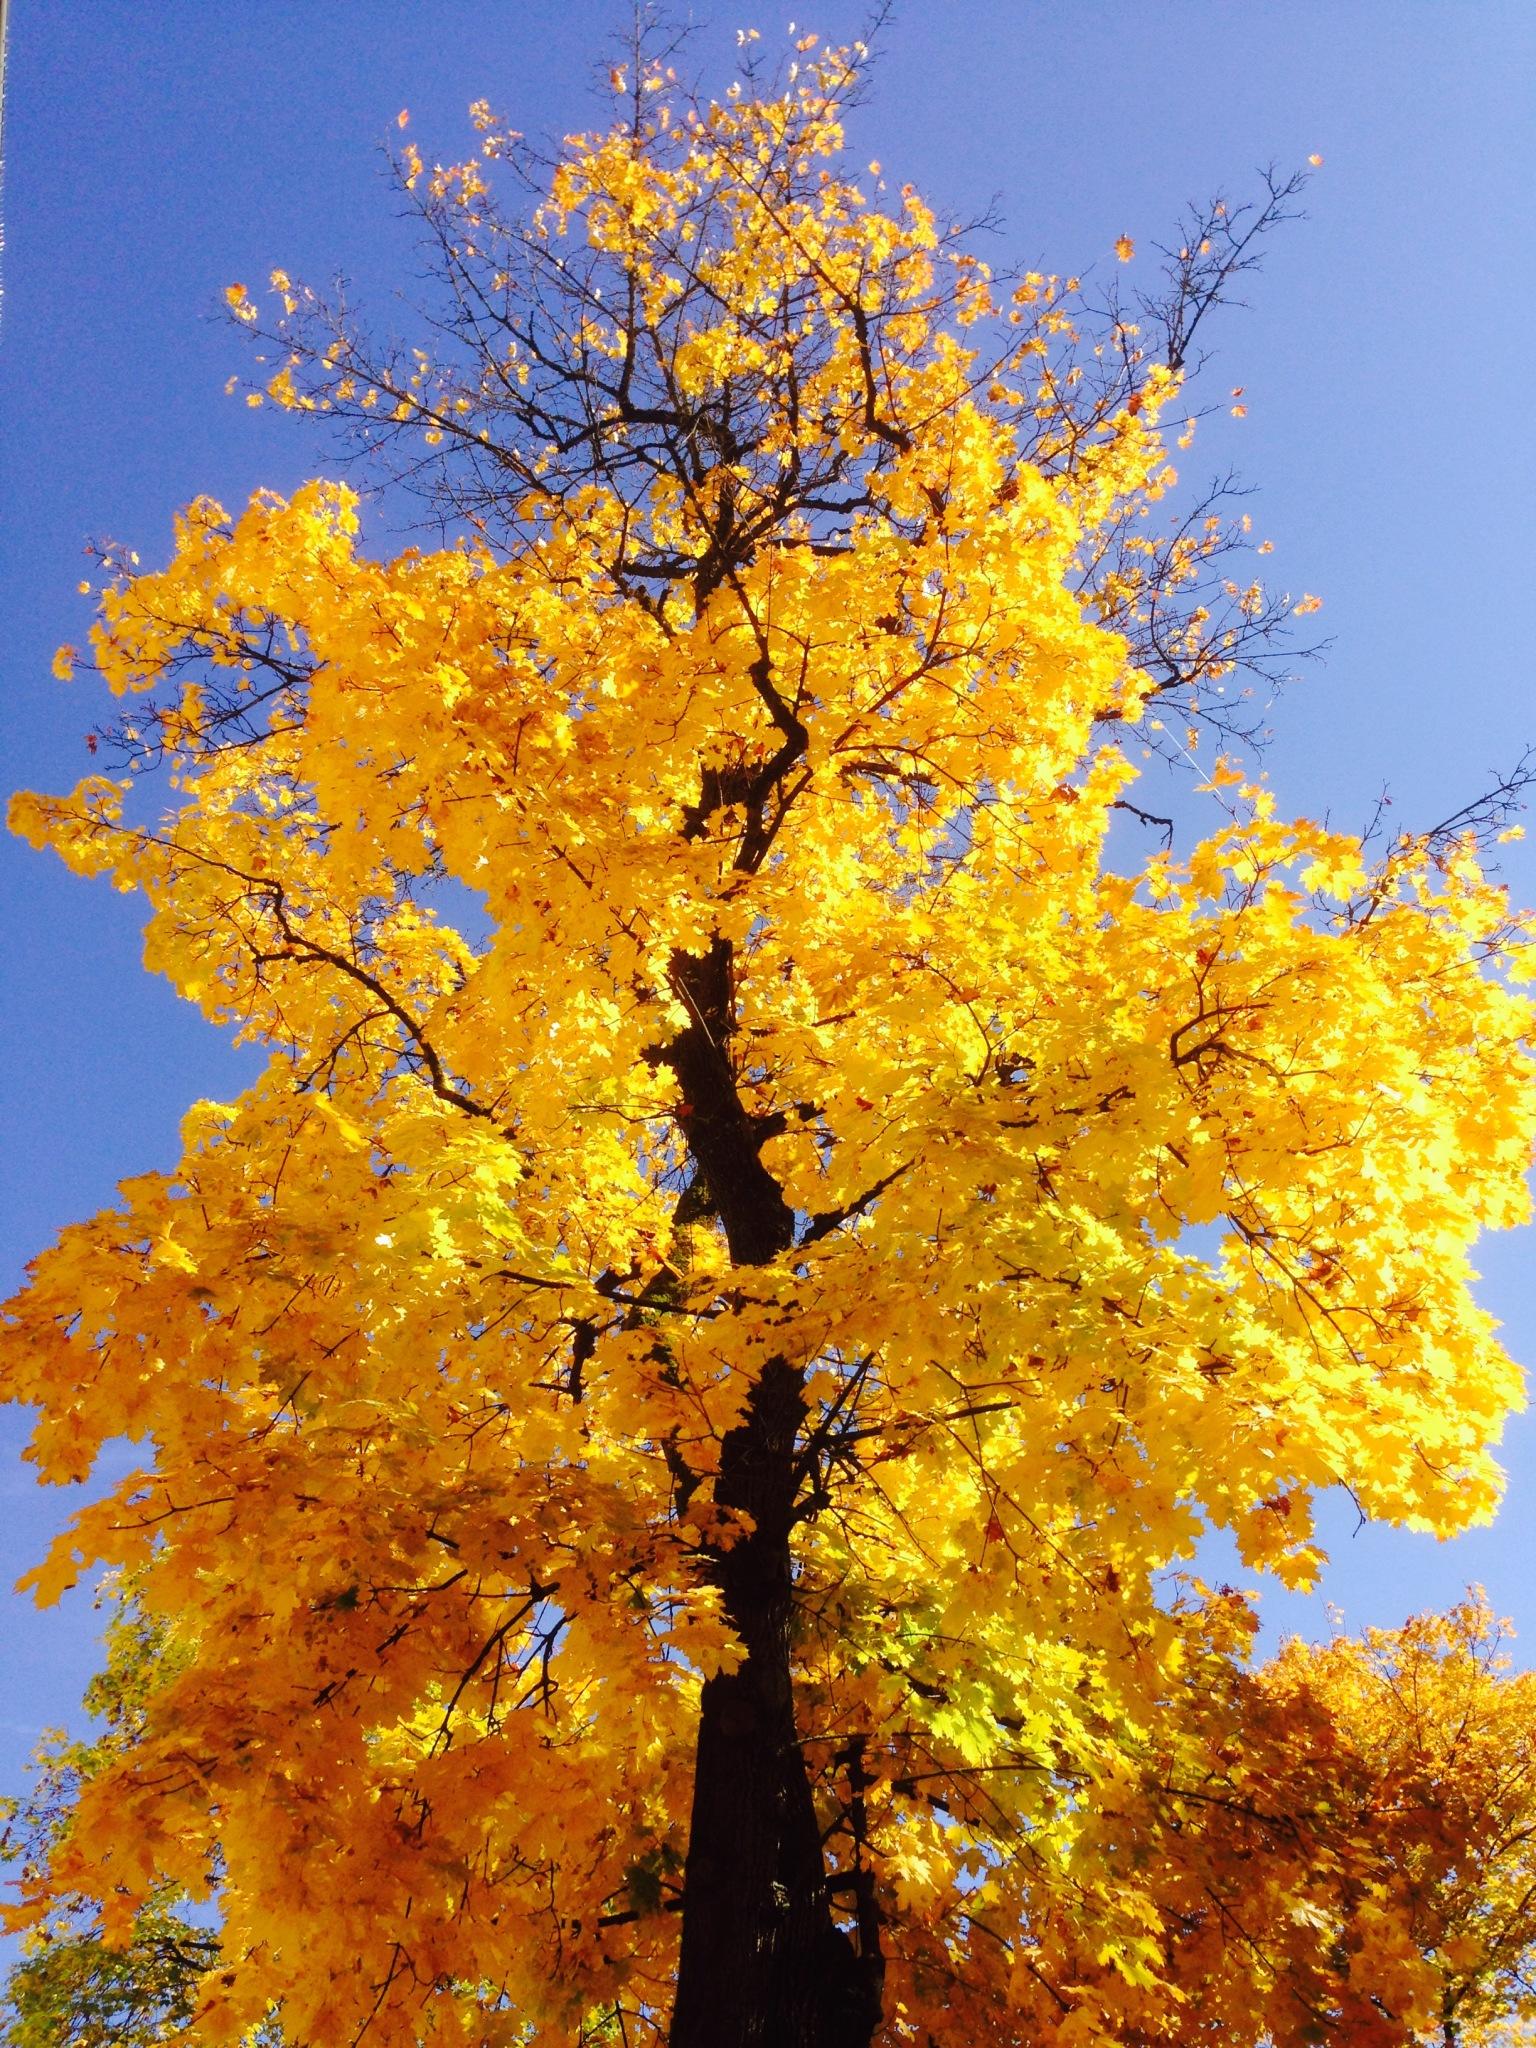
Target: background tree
{"type": "Point", "coordinates": [1339, 1842]}
{"type": "Point", "coordinates": [723, 1328]}
{"type": "Point", "coordinates": [1430, 1749]}
{"type": "Point", "coordinates": [73, 1988]}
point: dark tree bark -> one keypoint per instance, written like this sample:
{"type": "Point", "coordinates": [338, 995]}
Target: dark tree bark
{"type": "Point", "coordinates": [763, 1964]}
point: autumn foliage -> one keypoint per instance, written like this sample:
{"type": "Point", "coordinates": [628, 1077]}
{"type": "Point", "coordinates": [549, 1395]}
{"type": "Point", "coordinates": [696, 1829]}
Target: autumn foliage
{"type": "Point", "coordinates": [775, 1213]}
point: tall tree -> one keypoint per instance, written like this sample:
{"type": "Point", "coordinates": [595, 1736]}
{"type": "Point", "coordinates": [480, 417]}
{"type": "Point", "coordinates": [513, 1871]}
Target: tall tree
{"type": "Point", "coordinates": [762, 1236]}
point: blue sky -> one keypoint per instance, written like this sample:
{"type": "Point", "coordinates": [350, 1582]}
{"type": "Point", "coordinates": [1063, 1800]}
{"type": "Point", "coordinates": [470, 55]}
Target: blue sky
{"type": "Point", "coordinates": [155, 154]}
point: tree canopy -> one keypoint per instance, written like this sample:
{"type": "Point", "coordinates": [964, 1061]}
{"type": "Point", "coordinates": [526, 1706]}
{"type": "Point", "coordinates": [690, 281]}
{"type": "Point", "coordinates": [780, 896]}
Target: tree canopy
{"type": "Point", "coordinates": [770, 1224]}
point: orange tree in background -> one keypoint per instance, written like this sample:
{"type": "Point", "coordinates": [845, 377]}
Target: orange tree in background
{"type": "Point", "coordinates": [1339, 1846]}
{"type": "Point", "coordinates": [670, 1405]}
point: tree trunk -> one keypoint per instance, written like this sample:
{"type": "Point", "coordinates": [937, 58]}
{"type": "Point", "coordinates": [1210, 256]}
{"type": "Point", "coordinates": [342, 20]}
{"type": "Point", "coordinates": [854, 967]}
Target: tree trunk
{"type": "Point", "coordinates": [762, 1964]}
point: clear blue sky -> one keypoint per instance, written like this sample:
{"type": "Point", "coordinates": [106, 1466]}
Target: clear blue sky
{"type": "Point", "coordinates": [156, 153]}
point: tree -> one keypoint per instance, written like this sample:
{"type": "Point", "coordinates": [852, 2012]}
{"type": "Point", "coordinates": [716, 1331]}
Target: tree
{"type": "Point", "coordinates": [1423, 1785]}
{"type": "Point", "coordinates": [1339, 1845]}
{"type": "Point", "coordinates": [72, 1989]}
{"type": "Point", "coordinates": [765, 1232]}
